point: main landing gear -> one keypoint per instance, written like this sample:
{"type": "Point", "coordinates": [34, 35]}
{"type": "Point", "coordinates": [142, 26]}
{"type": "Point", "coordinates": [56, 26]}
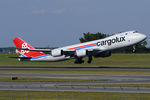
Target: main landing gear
{"type": "Point", "coordinates": [80, 61]}
{"type": "Point", "coordinates": [90, 59]}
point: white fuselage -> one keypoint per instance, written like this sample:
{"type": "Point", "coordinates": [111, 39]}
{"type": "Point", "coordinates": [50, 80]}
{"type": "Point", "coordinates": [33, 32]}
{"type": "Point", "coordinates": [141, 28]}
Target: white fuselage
{"type": "Point", "coordinates": [107, 44]}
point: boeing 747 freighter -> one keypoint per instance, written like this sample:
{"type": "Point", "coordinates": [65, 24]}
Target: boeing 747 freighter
{"type": "Point", "coordinates": [97, 48]}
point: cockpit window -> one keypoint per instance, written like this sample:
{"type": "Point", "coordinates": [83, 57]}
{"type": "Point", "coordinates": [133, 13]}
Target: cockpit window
{"type": "Point", "coordinates": [135, 32]}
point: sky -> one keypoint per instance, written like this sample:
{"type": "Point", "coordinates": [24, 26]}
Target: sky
{"type": "Point", "coordinates": [57, 23]}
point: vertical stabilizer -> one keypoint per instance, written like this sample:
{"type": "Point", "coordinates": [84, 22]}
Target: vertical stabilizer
{"type": "Point", "coordinates": [19, 43]}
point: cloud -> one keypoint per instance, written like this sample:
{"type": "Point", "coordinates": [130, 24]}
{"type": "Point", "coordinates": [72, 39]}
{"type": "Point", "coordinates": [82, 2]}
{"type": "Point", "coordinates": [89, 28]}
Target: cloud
{"type": "Point", "coordinates": [58, 11]}
{"type": "Point", "coordinates": [40, 11]}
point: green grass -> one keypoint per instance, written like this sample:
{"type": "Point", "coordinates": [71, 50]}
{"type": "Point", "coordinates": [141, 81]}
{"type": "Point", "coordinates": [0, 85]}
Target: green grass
{"type": "Point", "coordinates": [24, 95]}
{"type": "Point", "coordinates": [116, 60]}
{"type": "Point", "coordinates": [29, 79]}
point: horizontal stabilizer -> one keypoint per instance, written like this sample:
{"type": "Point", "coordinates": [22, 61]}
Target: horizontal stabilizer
{"type": "Point", "coordinates": [21, 57]}
{"type": "Point", "coordinates": [38, 50]}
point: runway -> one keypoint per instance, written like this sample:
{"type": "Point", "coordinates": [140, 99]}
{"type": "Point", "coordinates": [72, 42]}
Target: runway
{"type": "Point", "coordinates": [122, 79]}
{"type": "Point", "coordinates": [77, 89]}
{"type": "Point", "coordinates": [66, 86]}
{"type": "Point", "coordinates": [75, 86]}
{"type": "Point", "coordinates": [103, 68]}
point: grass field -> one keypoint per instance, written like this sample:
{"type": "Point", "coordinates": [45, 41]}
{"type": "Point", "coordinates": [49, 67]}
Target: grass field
{"type": "Point", "coordinates": [116, 60]}
{"type": "Point", "coordinates": [24, 95]}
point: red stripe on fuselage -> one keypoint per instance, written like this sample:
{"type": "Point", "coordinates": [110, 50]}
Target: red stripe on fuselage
{"type": "Point", "coordinates": [81, 46]}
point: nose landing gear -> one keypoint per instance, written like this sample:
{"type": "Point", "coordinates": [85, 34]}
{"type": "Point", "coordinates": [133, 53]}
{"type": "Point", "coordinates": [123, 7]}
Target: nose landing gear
{"type": "Point", "coordinates": [134, 49]}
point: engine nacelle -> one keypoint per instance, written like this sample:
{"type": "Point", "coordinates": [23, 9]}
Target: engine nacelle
{"type": "Point", "coordinates": [103, 54]}
{"type": "Point", "coordinates": [81, 53]}
{"type": "Point", "coordinates": [56, 52]}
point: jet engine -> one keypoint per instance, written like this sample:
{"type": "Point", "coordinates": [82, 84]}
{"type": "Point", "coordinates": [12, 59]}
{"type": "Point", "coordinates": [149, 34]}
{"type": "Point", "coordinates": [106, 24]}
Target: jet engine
{"type": "Point", "coordinates": [56, 52]}
{"type": "Point", "coordinates": [81, 53]}
{"type": "Point", "coordinates": [103, 54]}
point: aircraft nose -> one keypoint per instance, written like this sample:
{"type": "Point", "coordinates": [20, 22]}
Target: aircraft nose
{"type": "Point", "coordinates": [143, 36]}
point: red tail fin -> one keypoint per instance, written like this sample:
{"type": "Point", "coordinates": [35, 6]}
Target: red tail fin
{"type": "Point", "coordinates": [19, 43]}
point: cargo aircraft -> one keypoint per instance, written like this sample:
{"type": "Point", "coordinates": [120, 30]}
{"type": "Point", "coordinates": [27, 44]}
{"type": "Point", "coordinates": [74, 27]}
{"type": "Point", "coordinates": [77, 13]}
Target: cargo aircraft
{"type": "Point", "coordinates": [96, 48]}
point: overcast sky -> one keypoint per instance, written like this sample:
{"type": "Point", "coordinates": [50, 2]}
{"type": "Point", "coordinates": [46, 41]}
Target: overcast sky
{"type": "Point", "coordinates": [56, 23]}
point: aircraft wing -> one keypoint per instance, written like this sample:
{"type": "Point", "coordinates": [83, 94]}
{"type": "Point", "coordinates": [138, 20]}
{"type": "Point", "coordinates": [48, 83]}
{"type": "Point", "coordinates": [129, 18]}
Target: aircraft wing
{"type": "Point", "coordinates": [74, 52]}
{"type": "Point", "coordinates": [67, 53]}
{"type": "Point", "coordinates": [70, 53]}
